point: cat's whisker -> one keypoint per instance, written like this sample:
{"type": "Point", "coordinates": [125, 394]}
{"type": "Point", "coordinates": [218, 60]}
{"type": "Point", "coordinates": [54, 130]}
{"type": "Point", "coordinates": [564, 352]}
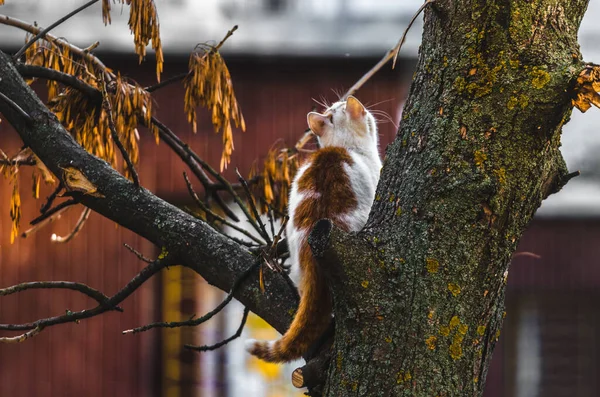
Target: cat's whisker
{"type": "Point", "coordinates": [338, 93]}
{"type": "Point", "coordinates": [379, 103]}
{"type": "Point", "coordinates": [320, 102]}
{"type": "Point", "coordinates": [386, 117]}
{"type": "Point", "coordinates": [381, 113]}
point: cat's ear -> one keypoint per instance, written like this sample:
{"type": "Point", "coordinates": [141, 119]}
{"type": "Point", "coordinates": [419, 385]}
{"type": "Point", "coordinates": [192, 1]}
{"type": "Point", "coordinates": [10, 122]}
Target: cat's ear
{"type": "Point", "coordinates": [354, 108]}
{"type": "Point", "coordinates": [318, 123]}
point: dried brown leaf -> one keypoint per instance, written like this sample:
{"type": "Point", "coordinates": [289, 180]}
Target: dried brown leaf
{"type": "Point", "coordinates": [587, 87]}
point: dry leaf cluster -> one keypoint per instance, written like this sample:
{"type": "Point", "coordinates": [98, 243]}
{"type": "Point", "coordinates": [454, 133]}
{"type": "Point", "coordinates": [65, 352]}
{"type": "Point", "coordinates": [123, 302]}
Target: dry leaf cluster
{"type": "Point", "coordinates": [10, 170]}
{"type": "Point", "coordinates": [273, 182]}
{"type": "Point", "coordinates": [588, 86]}
{"type": "Point", "coordinates": [143, 23]}
{"type": "Point", "coordinates": [208, 84]}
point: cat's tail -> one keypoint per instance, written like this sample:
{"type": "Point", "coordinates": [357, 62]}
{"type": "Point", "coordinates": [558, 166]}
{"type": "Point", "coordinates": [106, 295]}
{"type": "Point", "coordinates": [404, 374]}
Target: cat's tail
{"type": "Point", "coordinates": [311, 320]}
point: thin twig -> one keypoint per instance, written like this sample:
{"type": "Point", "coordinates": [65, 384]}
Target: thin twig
{"type": "Point", "coordinates": [115, 136]}
{"type": "Point", "coordinates": [32, 71]}
{"type": "Point", "coordinates": [53, 211]}
{"type": "Point", "coordinates": [138, 254]}
{"type": "Point", "coordinates": [49, 219]}
{"type": "Point", "coordinates": [526, 254]}
{"type": "Point", "coordinates": [271, 216]}
{"type": "Point", "coordinates": [182, 76]}
{"type": "Point", "coordinates": [237, 334]}
{"type": "Point", "coordinates": [214, 215]}
{"type": "Point", "coordinates": [16, 108]}
{"type": "Point", "coordinates": [228, 35]}
{"type": "Point", "coordinates": [403, 38]}
{"type": "Point", "coordinates": [84, 216]}
{"type": "Point", "coordinates": [166, 82]}
{"type": "Point", "coordinates": [83, 288]}
{"type": "Point", "coordinates": [109, 304]}
{"type": "Point", "coordinates": [49, 28]}
{"type": "Point", "coordinates": [9, 21]}
{"type": "Point", "coordinates": [242, 242]}
{"type": "Point", "coordinates": [29, 162]}
{"type": "Point", "coordinates": [22, 337]}
{"type": "Point", "coordinates": [250, 198]}
{"type": "Point", "coordinates": [391, 54]}
{"type": "Point", "coordinates": [52, 197]}
{"type": "Point", "coordinates": [270, 256]}
{"type": "Point", "coordinates": [189, 158]}
{"type": "Point", "coordinates": [207, 316]}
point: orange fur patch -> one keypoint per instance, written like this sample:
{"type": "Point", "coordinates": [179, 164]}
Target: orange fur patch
{"type": "Point", "coordinates": [327, 177]}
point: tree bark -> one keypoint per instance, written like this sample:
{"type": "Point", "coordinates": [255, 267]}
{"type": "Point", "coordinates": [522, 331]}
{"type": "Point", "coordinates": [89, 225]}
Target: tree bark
{"type": "Point", "coordinates": [419, 293]}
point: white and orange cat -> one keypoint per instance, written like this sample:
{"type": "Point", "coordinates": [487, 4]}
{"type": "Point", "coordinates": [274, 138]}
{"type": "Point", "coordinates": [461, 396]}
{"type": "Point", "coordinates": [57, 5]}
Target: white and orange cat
{"type": "Point", "coordinates": [337, 182]}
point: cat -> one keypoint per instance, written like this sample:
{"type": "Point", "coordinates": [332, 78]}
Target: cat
{"type": "Point", "coordinates": [337, 182]}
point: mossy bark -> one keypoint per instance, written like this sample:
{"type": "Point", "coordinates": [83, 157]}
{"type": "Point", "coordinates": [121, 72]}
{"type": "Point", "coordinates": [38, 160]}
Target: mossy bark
{"type": "Point", "coordinates": [420, 292]}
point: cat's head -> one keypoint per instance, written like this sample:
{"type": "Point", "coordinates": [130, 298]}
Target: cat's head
{"type": "Point", "coordinates": [345, 123]}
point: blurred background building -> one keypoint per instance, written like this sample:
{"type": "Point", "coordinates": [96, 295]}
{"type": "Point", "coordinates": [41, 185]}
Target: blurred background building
{"type": "Point", "coordinates": [285, 53]}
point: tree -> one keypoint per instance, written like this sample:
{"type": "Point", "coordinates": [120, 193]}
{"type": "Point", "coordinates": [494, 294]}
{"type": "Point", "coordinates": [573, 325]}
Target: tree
{"type": "Point", "coordinates": [419, 291]}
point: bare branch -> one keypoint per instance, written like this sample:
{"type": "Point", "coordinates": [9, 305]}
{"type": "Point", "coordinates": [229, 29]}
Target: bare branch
{"type": "Point", "coordinates": [228, 35]}
{"type": "Point", "coordinates": [237, 334]}
{"type": "Point", "coordinates": [182, 76]}
{"type": "Point", "coordinates": [214, 215]}
{"type": "Point", "coordinates": [52, 197]}
{"type": "Point", "coordinates": [47, 220]}
{"type": "Point", "coordinates": [32, 71]}
{"type": "Point", "coordinates": [9, 21]}
{"type": "Point", "coordinates": [391, 54]}
{"type": "Point", "coordinates": [403, 38]}
{"type": "Point", "coordinates": [192, 242]}
{"type": "Point", "coordinates": [250, 197]}
{"type": "Point", "coordinates": [83, 288]}
{"type": "Point", "coordinates": [115, 136]}
{"type": "Point", "coordinates": [54, 211]}
{"type": "Point", "coordinates": [29, 162]}
{"type": "Point", "coordinates": [49, 28]}
{"type": "Point", "coordinates": [82, 219]}
{"type": "Point", "coordinates": [170, 80]}
{"type": "Point", "coordinates": [229, 188]}
{"type": "Point", "coordinates": [185, 154]}
{"type": "Point", "coordinates": [106, 305]}
{"type": "Point", "coordinates": [207, 316]}
{"type": "Point", "coordinates": [22, 337]}
{"type": "Point", "coordinates": [137, 253]}
{"type": "Point", "coordinates": [15, 107]}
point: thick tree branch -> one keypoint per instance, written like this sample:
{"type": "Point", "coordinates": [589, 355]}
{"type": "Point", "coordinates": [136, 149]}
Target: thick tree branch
{"type": "Point", "coordinates": [195, 244]}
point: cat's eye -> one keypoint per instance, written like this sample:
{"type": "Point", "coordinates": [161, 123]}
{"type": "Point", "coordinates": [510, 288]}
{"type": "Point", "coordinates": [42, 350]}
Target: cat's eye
{"type": "Point", "coordinates": [331, 118]}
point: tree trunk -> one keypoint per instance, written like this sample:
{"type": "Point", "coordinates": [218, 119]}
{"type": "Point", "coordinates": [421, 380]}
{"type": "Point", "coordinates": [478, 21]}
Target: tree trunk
{"type": "Point", "coordinates": [419, 294]}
